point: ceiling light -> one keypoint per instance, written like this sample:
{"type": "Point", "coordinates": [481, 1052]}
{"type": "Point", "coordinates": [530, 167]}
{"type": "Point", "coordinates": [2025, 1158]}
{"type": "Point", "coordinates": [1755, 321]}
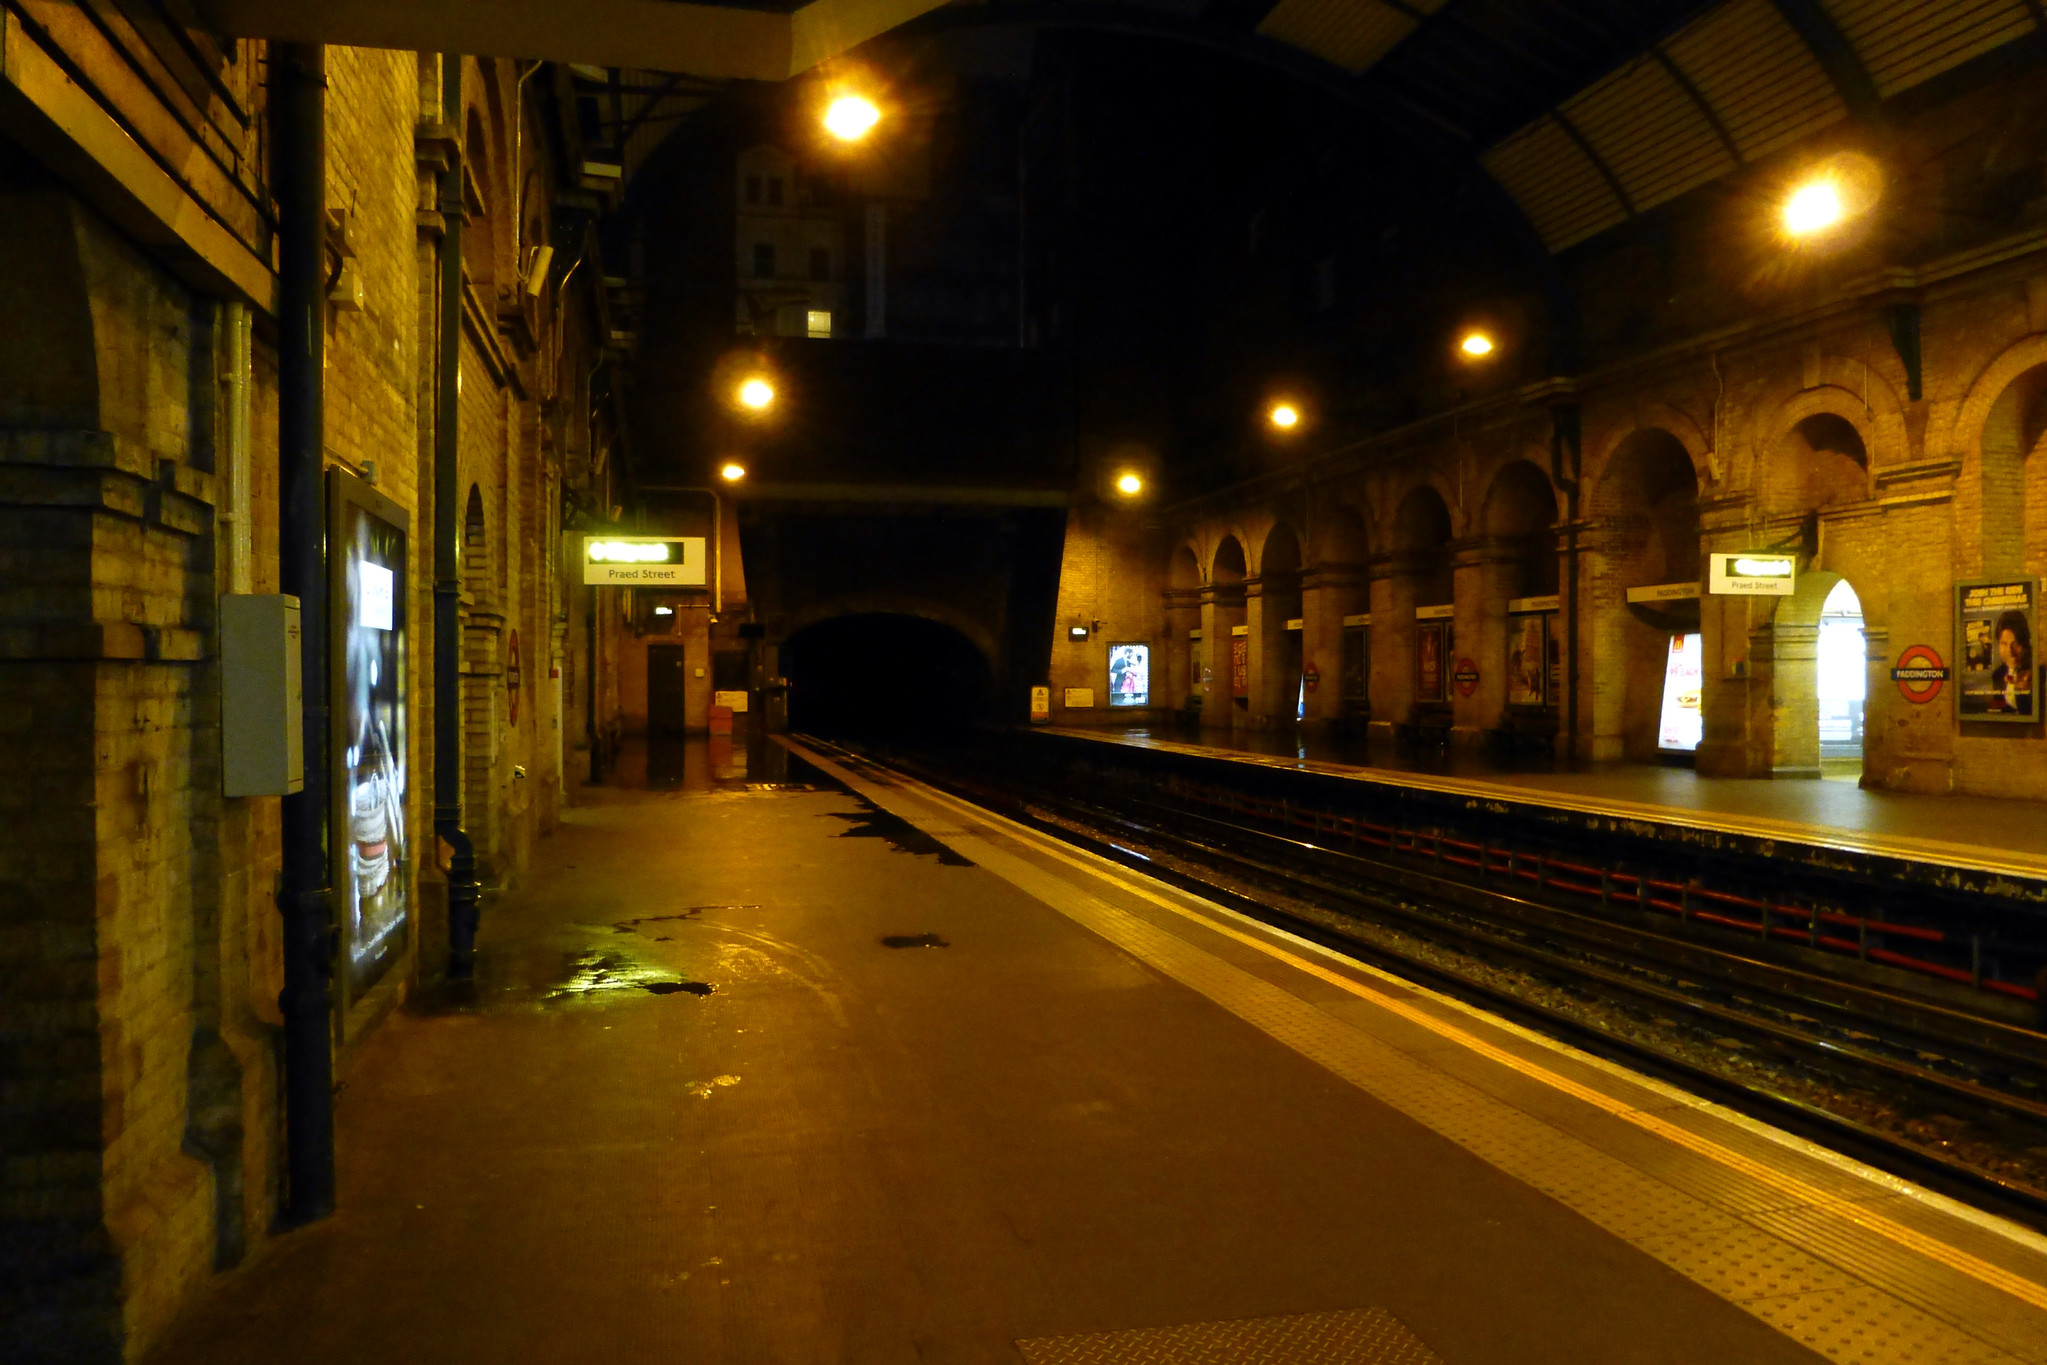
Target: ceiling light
{"type": "Point", "coordinates": [1813, 207]}
{"type": "Point", "coordinates": [851, 117]}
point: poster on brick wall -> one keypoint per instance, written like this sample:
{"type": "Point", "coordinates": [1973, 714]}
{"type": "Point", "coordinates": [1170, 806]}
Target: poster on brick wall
{"type": "Point", "coordinates": [1995, 622]}
{"type": "Point", "coordinates": [370, 844]}
{"type": "Point", "coordinates": [1429, 648]}
{"type": "Point", "coordinates": [1129, 675]}
{"type": "Point", "coordinates": [1528, 659]}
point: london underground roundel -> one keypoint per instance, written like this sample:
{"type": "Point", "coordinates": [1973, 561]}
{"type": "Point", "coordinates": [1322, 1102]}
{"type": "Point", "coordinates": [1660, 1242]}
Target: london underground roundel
{"type": "Point", "coordinates": [1920, 674]}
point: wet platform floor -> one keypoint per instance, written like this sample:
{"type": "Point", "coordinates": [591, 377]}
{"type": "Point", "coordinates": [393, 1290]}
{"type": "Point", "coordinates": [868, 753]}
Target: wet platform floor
{"type": "Point", "coordinates": [699, 1109]}
{"type": "Point", "coordinates": [1971, 830]}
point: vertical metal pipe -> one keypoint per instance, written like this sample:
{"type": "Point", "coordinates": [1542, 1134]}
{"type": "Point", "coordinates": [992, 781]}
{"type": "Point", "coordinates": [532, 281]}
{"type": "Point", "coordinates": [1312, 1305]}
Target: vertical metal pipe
{"type": "Point", "coordinates": [461, 868]}
{"type": "Point", "coordinates": [299, 79]}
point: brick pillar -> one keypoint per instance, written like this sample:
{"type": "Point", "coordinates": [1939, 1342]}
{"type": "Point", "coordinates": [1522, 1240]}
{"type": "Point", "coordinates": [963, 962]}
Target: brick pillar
{"type": "Point", "coordinates": [1486, 576]}
{"type": "Point", "coordinates": [1174, 680]}
{"type": "Point", "coordinates": [1392, 645]}
{"type": "Point", "coordinates": [1328, 594]}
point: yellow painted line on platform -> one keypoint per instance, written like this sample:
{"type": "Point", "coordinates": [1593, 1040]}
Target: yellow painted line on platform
{"type": "Point", "coordinates": [1911, 1239]}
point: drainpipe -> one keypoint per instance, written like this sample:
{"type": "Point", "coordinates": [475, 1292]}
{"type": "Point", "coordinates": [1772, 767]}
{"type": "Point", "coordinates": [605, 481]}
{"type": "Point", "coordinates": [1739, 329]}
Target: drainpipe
{"type": "Point", "coordinates": [463, 891]}
{"type": "Point", "coordinates": [1567, 435]}
{"type": "Point", "coordinates": [299, 79]}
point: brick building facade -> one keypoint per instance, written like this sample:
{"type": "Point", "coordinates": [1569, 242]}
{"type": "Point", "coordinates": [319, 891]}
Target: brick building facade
{"type": "Point", "coordinates": [140, 953]}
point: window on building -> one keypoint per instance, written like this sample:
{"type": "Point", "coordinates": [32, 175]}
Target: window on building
{"type": "Point", "coordinates": [820, 263]}
{"type": "Point", "coordinates": [775, 190]}
{"type": "Point", "coordinates": [753, 189]}
{"type": "Point", "coordinates": [819, 324]}
{"type": "Point", "coordinates": [763, 260]}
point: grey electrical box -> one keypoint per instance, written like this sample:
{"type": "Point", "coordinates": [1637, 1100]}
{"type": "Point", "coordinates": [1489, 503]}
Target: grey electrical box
{"type": "Point", "coordinates": [262, 736]}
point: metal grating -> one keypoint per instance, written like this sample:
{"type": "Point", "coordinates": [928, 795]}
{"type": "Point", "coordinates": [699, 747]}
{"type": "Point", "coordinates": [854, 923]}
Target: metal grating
{"type": "Point", "coordinates": [1652, 135]}
{"type": "Point", "coordinates": [1369, 1336]}
{"type": "Point", "coordinates": [1905, 42]}
{"type": "Point", "coordinates": [1758, 75]}
{"type": "Point", "coordinates": [1352, 34]}
{"type": "Point", "coordinates": [1556, 184]}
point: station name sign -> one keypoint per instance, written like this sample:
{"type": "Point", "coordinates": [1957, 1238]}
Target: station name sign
{"type": "Point", "coordinates": [644, 561]}
{"type": "Point", "coordinates": [1754, 573]}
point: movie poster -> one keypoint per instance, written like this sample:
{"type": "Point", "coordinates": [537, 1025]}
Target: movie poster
{"type": "Point", "coordinates": [1240, 666]}
{"type": "Point", "coordinates": [1683, 722]}
{"type": "Point", "coordinates": [1528, 659]}
{"type": "Point", "coordinates": [1995, 621]}
{"type": "Point", "coordinates": [1428, 661]}
{"type": "Point", "coordinates": [1129, 675]}
{"type": "Point", "coordinates": [370, 741]}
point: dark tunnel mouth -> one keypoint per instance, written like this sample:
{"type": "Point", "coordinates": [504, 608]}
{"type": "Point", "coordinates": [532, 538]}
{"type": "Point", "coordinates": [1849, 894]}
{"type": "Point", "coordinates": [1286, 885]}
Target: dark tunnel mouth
{"type": "Point", "coordinates": [886, 674]}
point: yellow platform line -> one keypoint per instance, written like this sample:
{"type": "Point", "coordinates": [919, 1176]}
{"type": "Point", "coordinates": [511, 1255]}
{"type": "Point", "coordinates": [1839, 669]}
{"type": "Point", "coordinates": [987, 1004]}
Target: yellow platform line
{"type": "Point", "coordinates": [1932, 1248]}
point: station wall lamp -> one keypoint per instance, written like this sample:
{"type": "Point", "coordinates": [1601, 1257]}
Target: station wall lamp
{"type": "Point", "coordinates": [1284, 416]}
{"type": "Point", "coordinates": [756, 394]}
{"type": "Point", "coordinates": [851, 117]}
{"type": "Point", "coordinates": [1829, 196]}
{"type": "Point", "coordinates": [732, 472]}
{"type": "Point", "coordinates": [1129, 484]}
{"type": "Point", "coordinates": [1476, 345]}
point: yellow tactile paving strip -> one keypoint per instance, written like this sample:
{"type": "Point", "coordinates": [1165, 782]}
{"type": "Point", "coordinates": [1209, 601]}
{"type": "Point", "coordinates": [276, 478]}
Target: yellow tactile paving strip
{"type": "Point", "coordinates": [1946, 853]}
{"type": "Point", "coordinates": [1821, 1253]}
{"type": "Point", "coordinates": [1366, 1336]}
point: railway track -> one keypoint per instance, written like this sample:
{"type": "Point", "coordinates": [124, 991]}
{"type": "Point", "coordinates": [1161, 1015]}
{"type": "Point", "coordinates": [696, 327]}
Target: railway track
{"type": "Point", "coordinates": [1943, 1097]}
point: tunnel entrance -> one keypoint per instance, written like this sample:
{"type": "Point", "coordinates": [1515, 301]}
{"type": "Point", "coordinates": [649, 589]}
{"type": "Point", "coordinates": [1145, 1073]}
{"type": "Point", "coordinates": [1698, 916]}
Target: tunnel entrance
{"type": "Point", "coordinates": [885, 674]}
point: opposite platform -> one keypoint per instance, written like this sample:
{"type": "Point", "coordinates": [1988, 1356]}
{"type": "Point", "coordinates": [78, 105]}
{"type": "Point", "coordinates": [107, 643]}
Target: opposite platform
{"type": "Point", "coordinates": [1970, 832]}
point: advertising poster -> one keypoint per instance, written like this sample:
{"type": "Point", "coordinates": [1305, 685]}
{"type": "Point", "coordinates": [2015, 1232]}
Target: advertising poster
{"type": "Point", "coordinates": [1428, 662]}
{"type": "Point", "coordinates": [1357, 663]}
{"type": "Point", "coordinates": [370, 778]}
{"type": "Point", "coordinates": [1528, 659]}
{"type": "Point", "coordinates": [1129, 675]}
{"type": "Point", "coordinates": [1683, 723]}
{"type": "Point", "coordinates": [1240, 666]}
{"type": "Point", "coordinates": [1995, 621]}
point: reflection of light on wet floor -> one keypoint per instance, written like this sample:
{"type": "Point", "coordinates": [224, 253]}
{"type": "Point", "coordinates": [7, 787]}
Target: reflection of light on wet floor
{"type": "Point", "coordinates": [702, 1090]}
{"type": "Point", "coordinates": [598, 974]}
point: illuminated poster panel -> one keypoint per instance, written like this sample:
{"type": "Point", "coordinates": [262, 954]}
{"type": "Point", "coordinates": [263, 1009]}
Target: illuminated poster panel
{"type": "Point", "coordinates": [371, 844]}
{"type": "Point", "coordinates": [1996, 623]}
{"type": "Point", "coordinates": [1429, 648]}
{"type": "Point", "coordinates": [1528, 659]}
{"type": "Point", "coordinates": [1683, 723]}
{"type": "Point", "coordinates": [1129, 675]}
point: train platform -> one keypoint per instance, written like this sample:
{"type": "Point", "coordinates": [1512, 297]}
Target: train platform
{"type": "Point", "coordinates": [890, 1078]}
{"type": "Point", "coordinates": [1972, 832]}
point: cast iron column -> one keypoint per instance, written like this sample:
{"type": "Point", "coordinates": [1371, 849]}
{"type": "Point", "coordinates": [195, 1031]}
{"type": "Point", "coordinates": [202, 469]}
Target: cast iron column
{"type": "Point", "coordinates": [299, 86]}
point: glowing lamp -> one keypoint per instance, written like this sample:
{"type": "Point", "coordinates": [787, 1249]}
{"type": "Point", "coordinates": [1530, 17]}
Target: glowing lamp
{"type": "Point", "coordinates": [732, 473]}
{"type": "Point", "coordinates": [1285, 416]}
{"type": "Point", "coordinates": [1813, 208]}
{"type": "Point", "coordinates": [851, 117]}
{"type": "Point", "coordinates": [1476, 344]}
{"type": "Point", "coordinates": [1130, 485]}
{"type": "Point", "coordinates": [756, 394]}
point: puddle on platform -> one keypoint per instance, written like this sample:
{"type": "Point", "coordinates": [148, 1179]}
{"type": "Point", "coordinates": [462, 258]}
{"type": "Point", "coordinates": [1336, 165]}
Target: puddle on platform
{"type": "Point", "coordinates": [593, 975]}
{"type": "Point", "coordinates": [671, 987]}
{"type": "Point", "coordinates": [914, 941]}
{"type": "Point", "coordinates": [872, 822]}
